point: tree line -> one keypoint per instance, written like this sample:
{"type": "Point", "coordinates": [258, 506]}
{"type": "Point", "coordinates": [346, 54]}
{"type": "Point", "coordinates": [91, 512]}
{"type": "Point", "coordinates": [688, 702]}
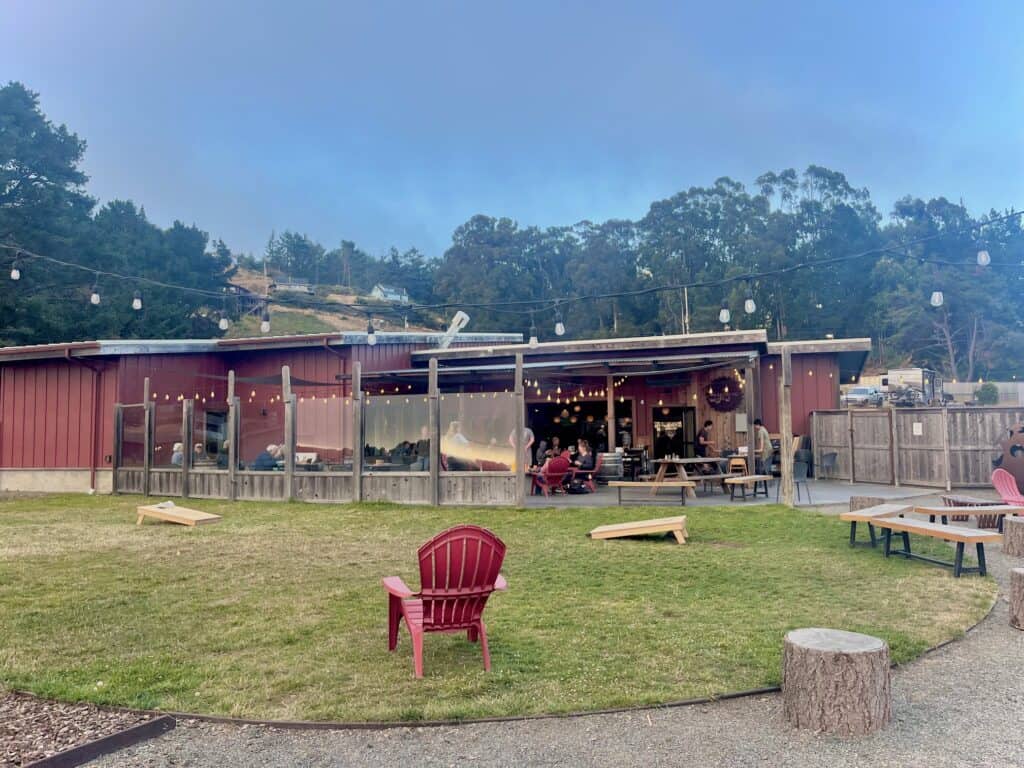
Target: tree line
{"type": "Point", "coordinates": [700, 235]}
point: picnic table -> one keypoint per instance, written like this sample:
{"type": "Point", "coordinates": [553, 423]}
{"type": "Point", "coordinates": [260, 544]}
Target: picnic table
{"type": "Point", "coordinates": [992, 510]}
{"type": "Point", "coordinates": [680, 469]}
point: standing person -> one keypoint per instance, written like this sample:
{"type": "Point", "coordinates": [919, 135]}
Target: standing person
{"type": "Point", "coordinates": [762, 446]}
{"type": "Point", "coordinates": [705, 445]}
{"type": "Point", "coordinates": [527, 446]}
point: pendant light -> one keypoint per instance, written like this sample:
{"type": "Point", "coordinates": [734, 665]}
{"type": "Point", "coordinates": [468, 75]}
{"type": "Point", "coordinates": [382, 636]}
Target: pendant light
{"type": "Point", "coordinates": [936, 299]}
{"type": "Point", "coordinates": [137, 301]}
{"type": "Point", "coordinates": [724, 315]}
{"type": "Point", "coordinates": [371, 334]}
{"type": "Point", "coordinates": [534, 341]}
{"type": "Point", "coordinates": [94, 297]}
{"type": "Point", "coordinates": [559, 325]}
{"type": "Point", "coordinates": [265, 321]}
{"type": "Point", "coordinates": [15, 271]}
{"type": "Point", "coordinates": [749, 306]}
{"type": "Point", "coordinates": [224, 323]}
{"type": "Point", "coordinates": [984, 259]}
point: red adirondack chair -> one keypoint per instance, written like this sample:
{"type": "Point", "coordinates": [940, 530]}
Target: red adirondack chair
{"type": "Point", "coordinates": [459, 568]}
{"type": "Point", "coordinates": [1006, 487]}
{"type": "Point", "coordinates": [554, 475]}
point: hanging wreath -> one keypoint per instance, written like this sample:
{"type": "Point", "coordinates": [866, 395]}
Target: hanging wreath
{"type": "Point", "coordinates": [724, 394]}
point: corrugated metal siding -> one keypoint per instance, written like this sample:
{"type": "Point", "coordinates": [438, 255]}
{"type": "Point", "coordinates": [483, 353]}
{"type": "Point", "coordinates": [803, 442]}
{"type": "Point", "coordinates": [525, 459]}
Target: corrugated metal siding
{"type": "Point", "coordinates": [46, 412]}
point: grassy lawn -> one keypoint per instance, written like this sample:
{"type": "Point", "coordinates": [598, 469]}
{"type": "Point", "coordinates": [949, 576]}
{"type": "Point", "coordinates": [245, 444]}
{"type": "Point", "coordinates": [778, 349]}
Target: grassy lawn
{"type": "Point", "coordinates": [277, 611]}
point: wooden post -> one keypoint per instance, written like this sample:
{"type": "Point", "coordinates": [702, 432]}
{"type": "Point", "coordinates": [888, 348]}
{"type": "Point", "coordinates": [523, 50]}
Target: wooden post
{"type": "Point", "coordinates": [186, 440]}
{"type": "Point", "coordinates": [945, 446]}
{"type": "Point", "coordinates": [610, 393]}
{"type": "Point", "coordinates": [836, 682]}
{"type": "Point", "coordinates": [893, 458]}
{"type": "Point", "coordinates": [433, 425]}
{"type": "Point", "coordinates": [849, 422]}
{"type": "Point", "coordinates": [115, 457]}
{"type": "Point", "coordinates": [290, 404]}
{"type": "Point", "coordinates": [520, 465]}
{"type": "Point", "coordinates": [357, 431]}
{"type": "Point", "coordinates": [147, 447]}
{"type": "Point", "coordinates": [233, 417]}
{"type": "Point", "coordinates": [750, 392]}
{"type": "Point", "coordinates": [786, 427]}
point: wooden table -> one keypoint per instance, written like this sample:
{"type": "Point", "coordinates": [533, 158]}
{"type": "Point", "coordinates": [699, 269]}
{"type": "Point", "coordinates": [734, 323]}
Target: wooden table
{"type": "Point", "coordinates": [172, 513]}
{"type": "Point", "coordinates": [944, 513]}
{"type": "Point", "coordinates": [680, 465]}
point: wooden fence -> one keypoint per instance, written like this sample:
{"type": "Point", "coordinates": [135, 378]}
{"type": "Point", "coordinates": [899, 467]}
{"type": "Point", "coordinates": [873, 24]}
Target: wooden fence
{"type": "Point", "coordinates": [936, 447]}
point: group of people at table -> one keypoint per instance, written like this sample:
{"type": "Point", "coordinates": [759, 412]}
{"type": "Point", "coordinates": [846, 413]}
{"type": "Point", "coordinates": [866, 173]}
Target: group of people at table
{"type": "Point", "coordinates": [553, 461]}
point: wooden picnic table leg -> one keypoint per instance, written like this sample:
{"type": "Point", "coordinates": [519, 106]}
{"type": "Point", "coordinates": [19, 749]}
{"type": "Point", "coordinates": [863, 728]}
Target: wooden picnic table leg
{"type": "Point", "coordinates": [684, 475]}
{"type": "Point", "coordinates": [659, 477]}
{"type": "Point", "coordinates": [958, 564]}
{"type": "Point", "coordinates": [682, 494]}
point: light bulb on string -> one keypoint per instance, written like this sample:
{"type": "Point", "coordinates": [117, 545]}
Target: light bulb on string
{"type": "Point", "coordinates": [534, 341]}
{"type": "Point", "coordinates": [15, 270]}
{"type": "Point", "coordinates": [936, 299]}
{"type": "Point", "coordinates": [724, 315]}
{"type": "Point", "coordinates": [94, 296]}
{"type": "Point", "coordinates": [265, 321]}
{"type": "Point", "coordinates": [559, 325]}
{"type": "Point", "coordinates": [224, 323]}
{"type": "Point", "coordinates": [371, 334]}
{"type": "Point", "coordinates": [983, 258]}
{"type": "Point", "coordinates": [748, 305]}
{"type": "Point", "coordinates": [137, 301]}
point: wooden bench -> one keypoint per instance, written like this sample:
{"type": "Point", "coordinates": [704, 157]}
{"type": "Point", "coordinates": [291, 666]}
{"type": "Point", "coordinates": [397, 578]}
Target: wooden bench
{"type": "Point", "coordinates": [683, 485]}
{"type": "Point", "coordinates": [743, 481]}
{"type": "Point", "coordinates": [985, 513]}
{"type": "Point", "coordinates": [169, 512]}
{"type": "Point", "coordinates": [953, 533]}
{"type": "Point", "coordinates": [674, 525]}
{"type": "Point", "coordinates": [869, 515]}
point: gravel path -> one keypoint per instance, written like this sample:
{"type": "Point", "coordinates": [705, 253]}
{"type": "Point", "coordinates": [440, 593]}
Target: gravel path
{"type": "Point", "coordinates": [962, 705]}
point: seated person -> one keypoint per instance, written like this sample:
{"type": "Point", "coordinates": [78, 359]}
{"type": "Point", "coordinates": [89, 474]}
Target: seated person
{"type": "Point", "coordinates": [267, 459]}
{"type": "Point", "coordinates": [584, 458]}
{"type": "Point", "coordinates": [556, 470]}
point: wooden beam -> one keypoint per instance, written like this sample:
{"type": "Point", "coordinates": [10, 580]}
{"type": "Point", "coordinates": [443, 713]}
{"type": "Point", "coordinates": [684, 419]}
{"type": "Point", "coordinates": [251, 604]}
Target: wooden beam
{"type": "Point", "coordinates": [286, 381]}
{"type": "Point", "coordinates": [147, 445]}
{"type": "Point", "coordinates": [519, 465]}
{"type": "Point", "coordinates": [146, 390]}
{"type": "Point", "coordinates": [187, 407]}
{"type": "Point", "coordinates": [786, 427]}
{"type": "Point", "coordinates": [610, 393]}
{"type": "Point", "coordinates": [850, 442]}
{"type": "Point", "coordinates": [357, 431]}
{"type": "Point", "coordinates": [433, 425]}
{"type": "Point", "coordinates": [234, 408]}
{"type": "Point", "coordinates": [945, 447]}
{"type": "Point", "coordinates": [749, 400]}
{"type": "Point", "coordinates": [290, 404]}
{"type": "Point", "coordinates": [895, 442]}
{"type": "Point", "coordinates": [115, 458]}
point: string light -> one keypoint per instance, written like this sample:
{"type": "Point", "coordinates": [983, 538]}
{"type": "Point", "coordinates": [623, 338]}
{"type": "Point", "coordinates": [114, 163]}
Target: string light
{"type": "Point", "coordinates": [265, 321]}
{"type": "Point", "coordinates": [94, 297]}
{"type": "Point", "coordinates": [559, 325]}
{"type": "Point", "coordinates": [137, 301]}
{"type": "Point", "coordinates": [371, 334]}
{"type": "Point", "coordinates": [15, 270]}
{"type": "Point", "coordinates": [534, 341]}
{"type": "Point", "coordinates": [984, 259]}
{"type": "Point", "coordinates": [936, 299]}
{"type": "Point", "coordinates": [749, 306]}
{"type": "Point", "coordinates": [724, 315]}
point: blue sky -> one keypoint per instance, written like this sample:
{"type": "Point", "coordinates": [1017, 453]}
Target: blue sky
{"type": "Point", "coordinates": [391, 123]}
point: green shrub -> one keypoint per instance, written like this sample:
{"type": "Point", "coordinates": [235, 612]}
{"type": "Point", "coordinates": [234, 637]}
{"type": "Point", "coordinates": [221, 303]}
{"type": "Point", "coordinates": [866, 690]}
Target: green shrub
{"type": "Point", "coordinates": [987, 394]}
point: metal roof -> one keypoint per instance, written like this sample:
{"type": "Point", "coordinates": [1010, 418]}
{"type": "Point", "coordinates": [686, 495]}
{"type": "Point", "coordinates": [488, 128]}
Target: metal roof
{"type": "Point", "coordinates": [117, 347]}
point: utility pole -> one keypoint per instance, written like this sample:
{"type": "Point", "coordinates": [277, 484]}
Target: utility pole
{"type": "Point", "coordinates": [686, 310]}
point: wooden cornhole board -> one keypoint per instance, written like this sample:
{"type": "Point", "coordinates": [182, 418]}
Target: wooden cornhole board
{"type": "Point", "coordinates": [674, 525]}
{"type": "Point", "coordinates": [170, 512]}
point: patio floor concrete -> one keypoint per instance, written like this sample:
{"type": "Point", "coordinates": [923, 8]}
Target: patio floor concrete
{"type": "Point", "coordinates": [822, 493]}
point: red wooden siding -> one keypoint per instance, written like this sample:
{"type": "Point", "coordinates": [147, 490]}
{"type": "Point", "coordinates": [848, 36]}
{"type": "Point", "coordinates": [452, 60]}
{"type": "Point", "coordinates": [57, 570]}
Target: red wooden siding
{"type": "Point", "coordinates": [815, 387]}
{"type": "Point", "coordinates": [46, 414]}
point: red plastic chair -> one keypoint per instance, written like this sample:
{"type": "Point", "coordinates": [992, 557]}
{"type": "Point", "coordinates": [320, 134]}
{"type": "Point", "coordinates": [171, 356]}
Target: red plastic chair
{"type": "Point", "coordinates": [459, 568]}
{"type": "Point", "coordinates": [553, 477]}
{"type": "Point", "coordinates": [1006, 487]}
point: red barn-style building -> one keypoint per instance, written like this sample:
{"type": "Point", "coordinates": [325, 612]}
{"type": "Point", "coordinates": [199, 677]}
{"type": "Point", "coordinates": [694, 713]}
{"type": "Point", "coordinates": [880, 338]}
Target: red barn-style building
{"type": "Point", "coordinates": [60, 428]}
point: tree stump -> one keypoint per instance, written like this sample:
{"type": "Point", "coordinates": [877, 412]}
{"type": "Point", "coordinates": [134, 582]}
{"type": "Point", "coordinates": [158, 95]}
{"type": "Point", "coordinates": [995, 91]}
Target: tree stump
{"type": "Point", "coordinates": [835, 682]}
{"type": "Point", "coordinates": [1013, 536]}
{"type": "Point", "coordinates": [1017, 598]}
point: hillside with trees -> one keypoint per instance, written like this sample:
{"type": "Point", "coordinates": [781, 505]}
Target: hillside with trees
{"type": "Point", "coordinates": [794, 231]}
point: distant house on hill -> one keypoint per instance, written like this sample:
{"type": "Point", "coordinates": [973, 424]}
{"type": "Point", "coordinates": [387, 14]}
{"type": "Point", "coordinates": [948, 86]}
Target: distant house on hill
{"type": "Point", "coordinates": [387, 293]}
{"type": "Point", "coordinates": [294, 286]}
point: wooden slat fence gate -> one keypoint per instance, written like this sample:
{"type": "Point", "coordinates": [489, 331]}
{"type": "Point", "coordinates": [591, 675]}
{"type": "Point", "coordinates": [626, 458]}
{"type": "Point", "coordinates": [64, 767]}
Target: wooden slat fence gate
{"type": "Point", "coordinates": [931, 447]}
